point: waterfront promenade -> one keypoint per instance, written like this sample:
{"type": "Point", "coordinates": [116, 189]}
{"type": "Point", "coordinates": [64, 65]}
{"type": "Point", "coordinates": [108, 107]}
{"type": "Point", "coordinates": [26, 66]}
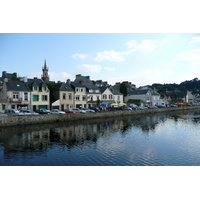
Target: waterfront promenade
{"type": "Point", "coordinates": [13, 120]}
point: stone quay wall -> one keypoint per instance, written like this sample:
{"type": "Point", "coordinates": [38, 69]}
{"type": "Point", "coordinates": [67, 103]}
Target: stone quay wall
{"type": "Point", "coordinates": [13, 120]}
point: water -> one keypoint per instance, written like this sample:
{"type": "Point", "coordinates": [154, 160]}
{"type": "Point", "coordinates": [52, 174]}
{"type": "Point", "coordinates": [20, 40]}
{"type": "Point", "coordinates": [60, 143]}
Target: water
{"type": "Point", "coordinates": [153, 140]}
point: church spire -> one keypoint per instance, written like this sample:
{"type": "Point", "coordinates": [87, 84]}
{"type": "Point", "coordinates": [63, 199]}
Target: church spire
{"type": "Point", "coordinates": [45, 76]}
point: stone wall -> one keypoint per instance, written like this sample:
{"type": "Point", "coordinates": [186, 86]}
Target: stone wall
{"type": "Point", "coordinates": [12, 120]}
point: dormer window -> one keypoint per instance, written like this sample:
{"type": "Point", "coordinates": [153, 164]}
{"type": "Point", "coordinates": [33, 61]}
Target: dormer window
{"type": "Point", "coordinates": [18, 85]}
{"type": "Point", "coordinates": [35, 88]}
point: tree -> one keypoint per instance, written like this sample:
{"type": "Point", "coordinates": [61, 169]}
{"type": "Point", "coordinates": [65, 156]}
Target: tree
{"type": "Point", "coordinates": [51, 87]}
{"type": "Point", "coordinates": [195, 91]}
{"type": "Point", "coordinates": [123, 89]}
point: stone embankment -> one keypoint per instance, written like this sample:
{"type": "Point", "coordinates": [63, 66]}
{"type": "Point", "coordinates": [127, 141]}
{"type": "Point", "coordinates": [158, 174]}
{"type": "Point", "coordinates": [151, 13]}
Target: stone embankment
{"type": "Point", "coordinates": [13, 120]}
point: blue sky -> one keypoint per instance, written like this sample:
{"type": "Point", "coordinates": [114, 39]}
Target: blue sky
{"type": "Point", "coordinates": [141, 58]}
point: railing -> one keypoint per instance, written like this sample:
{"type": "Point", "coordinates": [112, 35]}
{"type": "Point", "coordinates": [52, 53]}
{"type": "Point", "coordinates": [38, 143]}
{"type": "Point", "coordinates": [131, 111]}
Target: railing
{"type": "Point", "coordinates": [16, 100]}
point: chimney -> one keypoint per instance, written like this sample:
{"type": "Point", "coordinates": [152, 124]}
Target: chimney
{"type": "Point", "coordinates": [4, 74]}
{"type": "Point", "coordinates": [5, 79]}
{"type": "Point", "coordinates": [25, 79]}
{"type": "Point", "coordinates": [68, 81]}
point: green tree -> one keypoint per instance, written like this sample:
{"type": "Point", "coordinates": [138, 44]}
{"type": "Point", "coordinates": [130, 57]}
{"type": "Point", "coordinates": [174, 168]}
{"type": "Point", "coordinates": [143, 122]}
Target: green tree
{"type": "Point", "coordinates": [51, 87]}
{"type": "Point", "coordinates": [123, 89]}
{"type": "Point", "coordinates": [195, 91]}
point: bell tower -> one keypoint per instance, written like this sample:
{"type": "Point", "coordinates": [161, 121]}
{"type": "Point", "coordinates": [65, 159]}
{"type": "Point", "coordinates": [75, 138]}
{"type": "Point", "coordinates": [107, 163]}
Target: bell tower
{"type": "Point", "coordinates": [45, 76]}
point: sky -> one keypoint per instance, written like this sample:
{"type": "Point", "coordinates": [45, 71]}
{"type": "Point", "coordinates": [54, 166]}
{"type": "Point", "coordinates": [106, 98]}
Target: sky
{"type": "Point", "coordinates": [140, 58]}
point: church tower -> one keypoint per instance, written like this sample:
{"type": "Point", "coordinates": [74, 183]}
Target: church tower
{"type": "Point", "coordinates": [45, 76]}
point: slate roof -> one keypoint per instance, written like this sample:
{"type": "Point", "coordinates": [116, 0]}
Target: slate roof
{"type": "Point", "coordinates": [85, 80]}
{"type": "Point", "coordinates": [139, 92]}
{"type": "Point", "coordinates": [102, 89]}
{"type": "Point", "coordinates": [36, 83]}
{"type": "Point", "coordinates": [115, 92]}
{"type": "Point", "coordinates": [63, 87]}
{"type": "Point", "coordinates": [74, 84]}
{"type": "Point", "coordinates": [17, 86]}
{"type": "Point", "coordinates": [178, 94]}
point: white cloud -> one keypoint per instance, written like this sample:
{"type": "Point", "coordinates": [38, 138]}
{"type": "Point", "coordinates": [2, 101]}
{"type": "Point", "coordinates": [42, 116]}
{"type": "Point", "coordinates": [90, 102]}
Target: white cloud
{"type": "Point", "coordinates": [109, 68]}
{"type": "Point", "coordinates": [193, 56]}
{"type": "Point", "coordinates": [62, 76]}
{"type": "Point", "coordinates": [81, 56]}
{"type": "Point", "coordinates": [170, 64]}
{"type": "Point", "coordinates": [133, 45]}
{"type": "Point", "coordinates": [90, 68]}
{"type": "Point", "coordinates": [146, 77]}
{"type": "Point", "coordinates": [111, 55]}
{"type": "Point", "coordinates": [147, 45]}
{"type": "Point", "coordinates": [195, 40]}
{"type": "Point", "coordinates": [164, 41]}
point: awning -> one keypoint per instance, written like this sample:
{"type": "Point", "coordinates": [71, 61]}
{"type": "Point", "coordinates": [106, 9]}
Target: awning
{"type": "Point", "coordinates": [105, 105]}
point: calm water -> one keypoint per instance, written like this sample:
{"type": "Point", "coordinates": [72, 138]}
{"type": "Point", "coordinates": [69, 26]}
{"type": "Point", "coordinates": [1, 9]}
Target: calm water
{"type": "Point", "coordinates": [153, 140]}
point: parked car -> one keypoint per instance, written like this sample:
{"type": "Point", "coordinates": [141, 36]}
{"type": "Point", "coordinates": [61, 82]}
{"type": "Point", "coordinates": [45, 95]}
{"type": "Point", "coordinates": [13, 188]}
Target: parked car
{"type": "Point", "coordinates": [56, 111]}
{"type": "Point", "coordinates": [69, 111]}
{"type": "Point", "coordinates": [173, 105]}
{"type": "Point", "coordinates": [134, 107]}
{"type": "Point", "coordinates": [2, 114]}
{"type": "Point", "coordinates": [142, 107]}
{"type": "Point", "coordinates": [12, 112]}
{"type": "Point", "coordinates": [127, 108]}
{"type": "Point", "coordinates": [152, 107]}
{"type": "Point", "coordinates": [29, 112]}
{"type": "Point", "coordinates": [42, 111]}
{"type": "Point", "coordinates": [88, 110]}
{"type": "Point", "coordinates": [161, 106]}
{"type": "Point", "coordinates": [95, 109]}
{"type": "Point", "coordinates": [77, 110]}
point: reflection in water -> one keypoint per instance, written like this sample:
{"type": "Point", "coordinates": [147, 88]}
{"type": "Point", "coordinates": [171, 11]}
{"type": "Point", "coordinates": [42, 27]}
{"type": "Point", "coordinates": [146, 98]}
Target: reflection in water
{"type": "Point", "coordinates": [117, 141]}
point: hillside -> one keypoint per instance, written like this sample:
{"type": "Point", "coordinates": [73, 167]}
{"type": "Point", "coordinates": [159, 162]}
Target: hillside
{"type": "Point", "coordinates": [192, 85]}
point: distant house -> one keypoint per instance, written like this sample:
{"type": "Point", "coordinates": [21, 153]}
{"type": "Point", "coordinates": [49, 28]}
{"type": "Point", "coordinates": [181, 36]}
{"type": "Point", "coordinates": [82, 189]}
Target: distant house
{"type": "Point", "coordinates": [93, 94]}
{"type": "Point", "coordinates": [40, 94]}
{"type": "Point", "coordinates": [143, 97]}
{"type": "Point", "coordinates": [118, 96]}
{"type": "Point", "coordinates": [80, 96]}
{"type": "Point", "coordinates": [63, 96]}
{"type": "Point", "coordinates": [177, 96]}
{"type": "Point", "coordinates": [15, 94]}
{"type": "Point", "coordinates": [107, 96]}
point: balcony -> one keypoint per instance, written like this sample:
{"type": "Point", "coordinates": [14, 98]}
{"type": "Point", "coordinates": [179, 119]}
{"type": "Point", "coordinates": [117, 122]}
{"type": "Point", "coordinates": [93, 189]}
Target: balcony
{"type": "Point", "coordinates": [15, 100]}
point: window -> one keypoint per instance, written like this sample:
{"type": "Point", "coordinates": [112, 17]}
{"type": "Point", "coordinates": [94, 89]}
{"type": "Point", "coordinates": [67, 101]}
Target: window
{"type": "Point", "coordinates": [118, 97]}
{"type": "Point", "coordinates": [44, 97]}
{"type": "Point", "coordinates": [104, 96]}
{"type": "Point", "coordinates": [77, 89]}
{"type": "Point", "coordinates": [84, 98]}
{"type": "Point", "coordinates": [44, 88]}
{"type": "Point", "coordinates": [35, 97]}
{"type": "Point", "coordinates": [77, 97]}
{"type": "Point", "coordinates": [15, 96]}
{"type": "Point", "coordinates": [35, 88]}
{"type": "Point", "coordinates": [70, 96]}
{"type": "Point", "coordinates": [3, 107]}
{"type": "Point", "coordinates": [82, 90]}
{"type": "Point", "coordinates": [25, 96]}
{"type": "Point", "coordinates": [97, 91]}
{"type": "Point", "coordinates": [64, 96]}
{"type": "Point", "coordinates": [110, 96]}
